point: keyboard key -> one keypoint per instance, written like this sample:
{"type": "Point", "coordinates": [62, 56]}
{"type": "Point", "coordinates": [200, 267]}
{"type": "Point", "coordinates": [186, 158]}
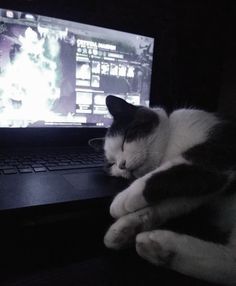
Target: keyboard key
{"type": "Point", "coordinates": [36, 165]}
{"type": "Point", "coordinates": [27, 163]}
{"type": "Point", "coordinates": [9, 171]}
{"type": "Point", "coordinates": [10, 162]}
{"type": "Point", "coordinates": [63, 164]}
{"type": "Point", "coordinates": [40, 169]}
{"type": "Point", "coordinates": [40, 162]}
{"type": "Point", "coordinates": [65, 161]}
{"type": "Point", "coordinates": [71, 167]}
{"type": "Point", "coordinates": [50, 165]}
{"type": "Point", "coordinates": [26, 170]}
{"type": "Point", "coordinates": [5, 167]}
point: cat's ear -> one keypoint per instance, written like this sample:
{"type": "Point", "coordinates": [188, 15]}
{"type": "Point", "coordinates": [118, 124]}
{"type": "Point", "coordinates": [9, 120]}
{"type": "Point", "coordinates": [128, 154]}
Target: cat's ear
{"type": "Point", "coordinates": [97, 143]}
{"type": "Point", "coordinates": [118, 107]}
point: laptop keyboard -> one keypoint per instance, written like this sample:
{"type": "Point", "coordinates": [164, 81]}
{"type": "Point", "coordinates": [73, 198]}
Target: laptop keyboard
{"type": "Point", "coordinates": [38, 163]}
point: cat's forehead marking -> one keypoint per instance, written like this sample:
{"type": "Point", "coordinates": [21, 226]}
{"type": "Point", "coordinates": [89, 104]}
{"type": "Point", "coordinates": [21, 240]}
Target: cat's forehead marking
{"type": "Point", "coordinates": [141, 125]}
{"type": "Point", "coordinates": [113, 145]}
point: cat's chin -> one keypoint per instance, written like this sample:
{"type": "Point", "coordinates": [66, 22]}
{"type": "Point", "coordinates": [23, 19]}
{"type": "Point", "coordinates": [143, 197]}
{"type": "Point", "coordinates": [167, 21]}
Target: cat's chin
{"type": "Point", "coordinates": [126, 175]}
{"type": "Point", "coordinates": [116, 172]}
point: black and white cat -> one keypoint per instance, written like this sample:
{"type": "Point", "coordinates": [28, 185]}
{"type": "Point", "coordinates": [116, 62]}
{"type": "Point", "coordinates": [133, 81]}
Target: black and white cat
{"type": "Point", "coordinates": [180, 162]}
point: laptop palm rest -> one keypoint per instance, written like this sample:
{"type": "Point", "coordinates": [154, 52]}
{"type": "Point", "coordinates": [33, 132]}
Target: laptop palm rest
{"type": "Point", "coordinates": [33, 190]}
{"type": "Point", "coordinates": [95, 184]}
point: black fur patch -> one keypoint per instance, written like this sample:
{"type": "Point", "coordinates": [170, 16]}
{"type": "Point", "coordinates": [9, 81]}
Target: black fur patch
{"type": "Point", "coordinates": [123, 113]}
{"type": "Point", "coordinates": [197, 223]}
{"type": "Point", "coordinates": [118, 107]}
{"type": "Point", "coordinates": [219, 151]}
{"type": "Point", "coordinates": [183, 181]}
{"type": "Point", "coordinates": [144, 123]}
{"type": "Point", "coordinates": [119, 126]}
{"type": "Point", "coordinates": [133, 122]}
{"type": "Point", "coordinates": [231, 189]}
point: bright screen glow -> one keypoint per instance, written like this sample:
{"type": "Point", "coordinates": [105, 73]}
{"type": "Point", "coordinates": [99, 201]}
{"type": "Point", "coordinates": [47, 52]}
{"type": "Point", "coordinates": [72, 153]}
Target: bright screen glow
{"type": "Point", "coordinates": [58, 73]}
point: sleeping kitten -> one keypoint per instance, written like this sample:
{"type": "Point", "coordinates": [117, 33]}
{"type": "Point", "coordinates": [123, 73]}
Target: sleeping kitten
{"type": "Point", "coordinates": [180, 163]}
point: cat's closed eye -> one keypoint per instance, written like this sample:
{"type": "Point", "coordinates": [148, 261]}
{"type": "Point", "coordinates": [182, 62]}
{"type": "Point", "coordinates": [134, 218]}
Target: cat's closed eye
{"type": "Point", "coordinates": [109, 164]}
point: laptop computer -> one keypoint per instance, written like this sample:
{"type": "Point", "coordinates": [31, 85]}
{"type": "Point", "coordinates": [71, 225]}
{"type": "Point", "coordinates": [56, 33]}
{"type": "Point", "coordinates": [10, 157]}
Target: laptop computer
{"type": "Point", "coordinates": [54, 78]}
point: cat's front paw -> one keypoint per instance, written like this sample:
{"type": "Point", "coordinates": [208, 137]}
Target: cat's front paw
{"type": "Point", "coordinates": [129, 200]}
{"type": "Point", "coordinates": [158, 247]}
{"type": "Point", "coordinates": [121, 234]}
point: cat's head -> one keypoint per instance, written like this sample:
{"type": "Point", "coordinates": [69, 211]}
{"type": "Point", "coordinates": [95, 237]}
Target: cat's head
{"type": "Point", "coordinates": [136, 140]}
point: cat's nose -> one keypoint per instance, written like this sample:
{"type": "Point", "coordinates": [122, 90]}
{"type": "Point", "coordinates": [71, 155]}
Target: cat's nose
{"type": "Point", "coordinates": [122, 165]}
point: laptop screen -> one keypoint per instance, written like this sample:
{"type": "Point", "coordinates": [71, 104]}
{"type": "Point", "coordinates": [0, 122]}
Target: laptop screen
{"type": "Point", "coordinates": [57, 73]}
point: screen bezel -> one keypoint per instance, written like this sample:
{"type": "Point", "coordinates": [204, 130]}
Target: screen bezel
{"type": "Point", "coordinates": [46, 137]}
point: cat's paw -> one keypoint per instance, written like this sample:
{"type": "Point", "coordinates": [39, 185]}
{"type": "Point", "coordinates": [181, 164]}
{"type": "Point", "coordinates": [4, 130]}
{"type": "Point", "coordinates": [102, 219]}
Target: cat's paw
{"type": "Point", "coordinates": [158, 247]}
{"type": "Point", "coordinates": [129, 200]}
{"type": "Point", "coordinates": [121, 234]}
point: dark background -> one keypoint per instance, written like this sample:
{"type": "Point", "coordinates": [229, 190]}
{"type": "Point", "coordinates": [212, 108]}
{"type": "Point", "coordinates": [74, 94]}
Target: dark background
{"type": "Point", "coordinates": [194, 65]}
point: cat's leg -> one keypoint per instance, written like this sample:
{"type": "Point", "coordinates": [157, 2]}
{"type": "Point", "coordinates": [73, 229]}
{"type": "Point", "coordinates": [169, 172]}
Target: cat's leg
{"type": "Point", "coordinates": [174, 179]}
{"type": "Point", "coordinates": [188, 255]}
{"type": "Point", "coordinates": [123, 232]}
{"type": "Point", "coordinates": [133, 195]}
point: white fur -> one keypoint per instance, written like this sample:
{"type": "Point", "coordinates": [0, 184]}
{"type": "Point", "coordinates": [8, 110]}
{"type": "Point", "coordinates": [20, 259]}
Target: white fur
{"type": "Point", "coordinates": [112, 147]}
{"type": "Point", "coordinates": [188, 127]}
{"type": "Point", "coordinates": [129, 200]}
{"type": "Point", "coordinates": [114, 154]}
